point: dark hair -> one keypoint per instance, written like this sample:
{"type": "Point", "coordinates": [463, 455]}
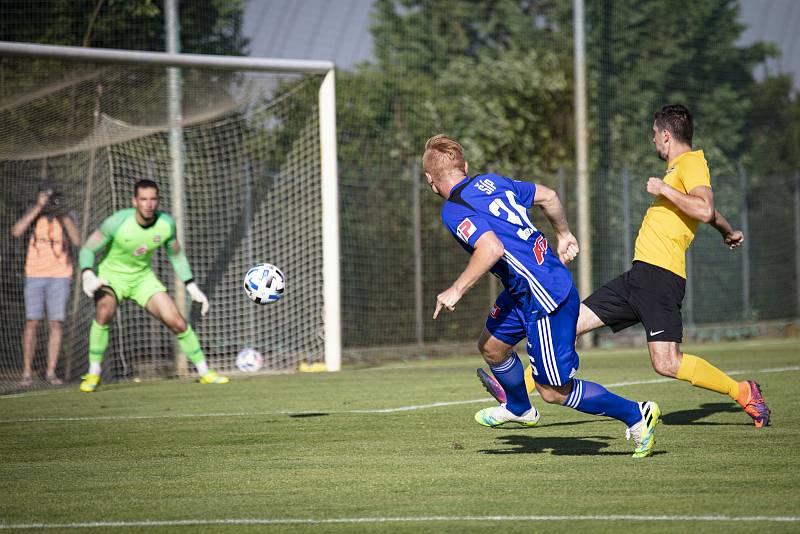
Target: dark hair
{"type": "Point", "coordinates": [677, 119]}
{"type": "Point", "coordinates": [144, 184]}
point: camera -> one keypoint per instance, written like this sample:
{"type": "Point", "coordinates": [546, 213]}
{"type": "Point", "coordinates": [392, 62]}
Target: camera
{"type": "Point", "coordinates": [56, 204]}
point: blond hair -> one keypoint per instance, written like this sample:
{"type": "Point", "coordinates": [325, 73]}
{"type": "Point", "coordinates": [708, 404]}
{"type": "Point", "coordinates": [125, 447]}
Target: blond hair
{"type": "Point", "coordinates": [442, 156]}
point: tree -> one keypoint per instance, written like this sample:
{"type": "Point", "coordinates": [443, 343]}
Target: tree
{"type": "Point", "coordinates": [773, 127]}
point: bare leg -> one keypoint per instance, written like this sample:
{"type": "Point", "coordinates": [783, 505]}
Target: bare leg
{"type": "Point", "coordinates": [105, 308]}
{"type": "Point", "coordinates": [666, 357]}
{"type": "Point", "coordinates": [53, 348]}
{"type": "Point", "coordinates": [588, 320]}
{"type": "Point", "coordinates": [162, 307]}
{"type": "Point", "coordinates": [28, 347]}
{"type": "Point", "coordinates": [554, 394]}
{"type": "Point", "coordinates": [493, 350]}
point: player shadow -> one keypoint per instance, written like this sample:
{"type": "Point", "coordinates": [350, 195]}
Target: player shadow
{"type": "Point", "coordinates": [694, 416]}
{"type": "Point", "coordinates": [558, 446]}
{"type": "Point", "coordinates": [308, 414]}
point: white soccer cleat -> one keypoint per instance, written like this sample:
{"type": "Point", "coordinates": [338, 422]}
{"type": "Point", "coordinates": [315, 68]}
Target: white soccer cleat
{"type": "Point", "coordinates": [499, 416]}
{"type": "Point", "coordinates": [643, 432]}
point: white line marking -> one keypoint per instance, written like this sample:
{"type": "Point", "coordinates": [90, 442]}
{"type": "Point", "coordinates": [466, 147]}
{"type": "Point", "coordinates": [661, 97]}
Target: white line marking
{"type": "Point", "coordinates": [364, 411]}
{"type": "Point", "coordinates": [410, 519]}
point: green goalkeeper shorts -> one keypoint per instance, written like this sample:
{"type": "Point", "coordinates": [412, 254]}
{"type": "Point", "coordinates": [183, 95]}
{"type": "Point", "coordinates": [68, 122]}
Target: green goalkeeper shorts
{"type": "Point", "coordinates": [138, 287]}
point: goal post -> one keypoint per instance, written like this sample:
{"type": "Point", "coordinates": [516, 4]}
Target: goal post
{"type": "Point", "coordinates": [122, 149]}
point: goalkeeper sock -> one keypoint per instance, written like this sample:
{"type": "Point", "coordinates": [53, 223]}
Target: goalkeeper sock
{"type": "Point", "coordinates": [592, 398]}
{"type": "Point", "coordinates": [511, 375]}
{"type": "Point", "coordinates": [704, 375]}
{"type": "Point", "coordinates": [98, 343]}
{"type": "Point", "coordinates": [190, 346]}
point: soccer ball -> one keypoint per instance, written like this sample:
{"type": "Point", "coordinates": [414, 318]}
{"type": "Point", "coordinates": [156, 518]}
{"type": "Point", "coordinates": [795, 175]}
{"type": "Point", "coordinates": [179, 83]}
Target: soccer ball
{"type": "Point", "coordinates": [264, 283]}
{"type": "Point", "coordinates": [249, 360]}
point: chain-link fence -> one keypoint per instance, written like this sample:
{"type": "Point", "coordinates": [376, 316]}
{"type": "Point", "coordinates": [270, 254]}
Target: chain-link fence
{"type": "Point", "coordinates": [498, 77]}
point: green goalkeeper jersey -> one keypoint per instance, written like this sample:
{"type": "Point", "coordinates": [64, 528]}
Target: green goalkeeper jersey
{"type": "Point", "coordinates": [131, 246]}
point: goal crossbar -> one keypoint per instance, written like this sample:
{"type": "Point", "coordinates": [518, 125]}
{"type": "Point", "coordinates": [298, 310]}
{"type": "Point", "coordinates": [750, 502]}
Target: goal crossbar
{"type": "Point", "coordinates": [164, 59]}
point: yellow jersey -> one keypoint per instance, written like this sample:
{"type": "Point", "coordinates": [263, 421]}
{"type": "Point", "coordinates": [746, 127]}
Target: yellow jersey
{"type": "Point", "coordinates": [666, 231]}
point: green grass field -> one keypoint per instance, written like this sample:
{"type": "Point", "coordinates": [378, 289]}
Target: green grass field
{"type": "Point", "coordinates": [394, 448]}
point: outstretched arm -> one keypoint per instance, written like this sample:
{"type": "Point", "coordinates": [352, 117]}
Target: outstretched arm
{"type": "Point", "coordinates": [179, 261]}
{"type": "Point", "coordinates": [733, 238]}
{"type": "Point", "coordinates": [90, 282]}
{"type": "Point", "coordinates": [181, 265]}
{"type": "Point", "coordinates": [548, 201]}
{"type": "Point", "coordinates": [488, 249]}
{"type": "Point", "coordinates": [93, 245]}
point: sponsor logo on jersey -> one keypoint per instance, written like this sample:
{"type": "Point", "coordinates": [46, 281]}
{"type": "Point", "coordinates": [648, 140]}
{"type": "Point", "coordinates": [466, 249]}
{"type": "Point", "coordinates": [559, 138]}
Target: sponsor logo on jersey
{"type": "Point", "coordinates": [466, 229]}
{"type": "Point", "coordinates": [534, 370]}
{"type": "Point", "coordinates": [141, 250]}
{"type": "Point", "coordinates": [156, 239]}
{"type": "Point", "coordinates": [540, 249]}
{"type": "Point", "coordinates": [572, 373]}
{"type": "Point", "coordinates": [486, 185]}
{"type": "Point", "coordinates": [495, 311]}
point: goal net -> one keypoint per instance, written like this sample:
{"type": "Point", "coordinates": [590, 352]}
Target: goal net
{"type": "Point", "coordinates": [250, 191]}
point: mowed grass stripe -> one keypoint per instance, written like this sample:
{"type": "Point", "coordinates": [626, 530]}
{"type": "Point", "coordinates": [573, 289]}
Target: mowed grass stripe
{"type": "Point", "coordinates": [431, 470]}
{"type": "Point", "coordinates": [432, 519]}
{"type": "Point", "coordinates": [361, 411]}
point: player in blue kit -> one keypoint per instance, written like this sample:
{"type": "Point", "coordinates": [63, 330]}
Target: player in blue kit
{"type": "Point", "coordinates": [488, 216]}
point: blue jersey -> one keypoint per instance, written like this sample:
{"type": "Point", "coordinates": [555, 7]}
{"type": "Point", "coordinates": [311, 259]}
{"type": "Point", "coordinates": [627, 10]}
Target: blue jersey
{"type": "Point", "coordinates": [530, 271]}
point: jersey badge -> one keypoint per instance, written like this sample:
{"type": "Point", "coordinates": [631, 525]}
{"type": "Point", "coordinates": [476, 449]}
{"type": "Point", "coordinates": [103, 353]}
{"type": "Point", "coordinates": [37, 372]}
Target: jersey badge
{"type": "Point", "coordinates": [466, 229]}
{"type": "Point", "coordinates": [540, 249]}
{"type": "Point", "coordinates": [495, 311]}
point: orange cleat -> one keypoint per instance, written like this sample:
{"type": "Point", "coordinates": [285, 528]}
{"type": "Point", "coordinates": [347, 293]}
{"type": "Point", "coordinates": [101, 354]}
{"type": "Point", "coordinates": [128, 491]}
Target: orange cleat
{"type": "Point", "coordinates": [752, 401]}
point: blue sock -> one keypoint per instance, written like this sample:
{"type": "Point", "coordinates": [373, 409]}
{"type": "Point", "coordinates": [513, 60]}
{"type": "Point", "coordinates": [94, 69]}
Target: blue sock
{"type": "Point", "coordinates": [511, 375]}
{"type": "Point", "coordinates": [588, 397]}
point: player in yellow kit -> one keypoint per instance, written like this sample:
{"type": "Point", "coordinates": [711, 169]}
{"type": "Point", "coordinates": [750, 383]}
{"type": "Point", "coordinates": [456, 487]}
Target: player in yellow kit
{"type": "Point", "coordinates": [652, 291]}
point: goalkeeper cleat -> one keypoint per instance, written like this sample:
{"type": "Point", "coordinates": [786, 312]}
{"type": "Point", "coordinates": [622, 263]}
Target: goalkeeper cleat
{"type": "Point", "coordinates": [212, 377]}
{"type": "Point", "coordinates": [752, 401]}
{"type": "Point", "coordinates": [643, 432]}
{"type": "Point", "coordinates": [90, 382]}
{"type": "Point", "coordinates": [499, 416]}
{"type": "Point", "coordinates": [492, 386]}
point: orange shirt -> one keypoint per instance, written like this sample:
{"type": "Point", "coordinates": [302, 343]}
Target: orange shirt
{"type": "Point", "coordinates": [48, 255]}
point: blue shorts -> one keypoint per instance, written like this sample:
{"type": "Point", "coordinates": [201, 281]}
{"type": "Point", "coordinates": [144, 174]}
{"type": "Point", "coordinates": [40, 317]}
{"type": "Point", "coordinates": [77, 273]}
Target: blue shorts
{"type": "Point", "coordinates": [52, 293]}
{"type": "Point", "coordinates": [551, 339]}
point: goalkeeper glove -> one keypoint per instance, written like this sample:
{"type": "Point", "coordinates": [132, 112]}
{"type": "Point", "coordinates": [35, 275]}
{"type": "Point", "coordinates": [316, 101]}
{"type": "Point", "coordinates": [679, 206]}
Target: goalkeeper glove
{"type": "Point", "coordinates": [91, 283]}
{"type": "Point", "coordinates": [198, 296]}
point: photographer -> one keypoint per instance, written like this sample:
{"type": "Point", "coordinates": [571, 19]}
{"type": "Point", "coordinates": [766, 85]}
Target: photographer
{"type": "Point", "coordinates": [48, 273]}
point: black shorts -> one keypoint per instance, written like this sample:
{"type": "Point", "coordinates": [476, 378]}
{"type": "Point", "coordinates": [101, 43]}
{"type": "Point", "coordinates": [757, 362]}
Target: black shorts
{"type": "Point", "coordinates": [646, 294]}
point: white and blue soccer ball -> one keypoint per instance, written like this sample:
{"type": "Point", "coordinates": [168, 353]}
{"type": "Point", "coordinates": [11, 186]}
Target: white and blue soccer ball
{"type": "Point", "coordinates": [249, 360]}
{"type": "Point", "coordinates": [264, 283]}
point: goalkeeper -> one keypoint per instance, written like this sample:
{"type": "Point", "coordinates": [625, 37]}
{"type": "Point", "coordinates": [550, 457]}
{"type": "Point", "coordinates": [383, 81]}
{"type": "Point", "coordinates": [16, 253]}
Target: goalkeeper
{"type": "Point", "coordinates": [132, 235]}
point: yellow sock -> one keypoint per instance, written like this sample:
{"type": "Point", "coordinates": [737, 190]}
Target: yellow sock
{"type": "Point", "coordinates": [704, 375]}
{"type": "Point", "coordinates": [530, 384]}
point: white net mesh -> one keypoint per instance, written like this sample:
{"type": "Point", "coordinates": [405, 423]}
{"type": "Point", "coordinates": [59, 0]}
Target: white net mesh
{"type": "Point", "coordinates": [252, 194]}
